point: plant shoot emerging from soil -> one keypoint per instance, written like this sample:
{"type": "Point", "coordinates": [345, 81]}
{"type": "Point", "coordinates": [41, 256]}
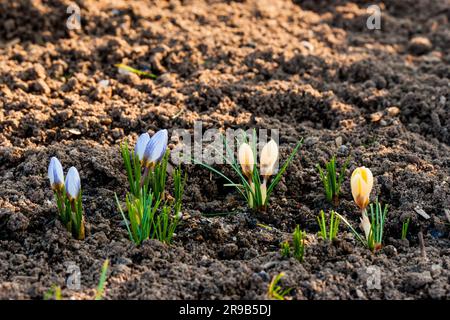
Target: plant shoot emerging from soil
{"type": "Point", "coordinates": [102, 282]}
{"type": "Point", "coordinates": [298, 245]}
{"type": "Point", "coordinates": [372, 226]}
{"type": "Point", "coordinates": [405, 227]}
{"type": "Point", "coordinates": [329, 233]}
{"type": "Point", "coordinates": [298, 241]}
{"type": "Point", "coordinates": [254, 183]}
{"type": "Point", "coordinates": [54, 293]}
{"type": "Point", "coordinates": [151, 218]}
{"type": "Point", "coordinates": [285, 249]}
{"type": "Point", "coordinates": [68, 197]}
{"type": "Point", "coordinates": [331, 182]}
{"type": "Point", "coordinates": [275, 291]}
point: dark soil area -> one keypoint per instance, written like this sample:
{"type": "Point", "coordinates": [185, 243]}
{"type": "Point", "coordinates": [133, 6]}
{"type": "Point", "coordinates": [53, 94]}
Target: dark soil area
{"type": "Point", "coordinates": [308, 68]}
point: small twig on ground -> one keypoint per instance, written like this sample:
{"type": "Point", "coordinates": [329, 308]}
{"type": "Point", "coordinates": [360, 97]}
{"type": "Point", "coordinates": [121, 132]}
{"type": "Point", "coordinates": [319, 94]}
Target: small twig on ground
{"type": "Point", "coordinates": [179, 113]}
{"type": "Point", "coordinates": [423, 253]}
{"type": "Point", "coordinates": [447, 214]}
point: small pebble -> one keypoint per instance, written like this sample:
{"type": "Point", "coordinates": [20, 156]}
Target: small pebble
{"type": "Point", "coordinates": [390, 250]}
{"type": "Point", "coordinates": [343, 150]}
{"type": "Point", "coordinates": [124, 261]}
{"type": "Point", "coordinates": [419, 45]}
{"type": "Point", "coordinates": [375, 117]}
{"type": "Point", "coordinates": [264, 275]}
{"type": "Point", "coordinates": [103, 83]}
{"type": "Point", "coordinates": [360, 295]}
{"type": "Point", "coordinates": [310, 141]}
{"type": "Point", "coordinates": [393, 111]}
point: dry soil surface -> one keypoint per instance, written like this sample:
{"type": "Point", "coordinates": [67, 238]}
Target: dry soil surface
{"type": "Point", "coordinates": [308, 68]}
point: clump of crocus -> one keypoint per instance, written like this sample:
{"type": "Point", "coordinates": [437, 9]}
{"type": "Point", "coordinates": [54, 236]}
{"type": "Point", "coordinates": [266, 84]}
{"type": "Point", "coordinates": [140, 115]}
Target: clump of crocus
{"type": "Point", "coordinates": [361, 184]}
{"type": "Point", "coordinates": [256, 185]}
{"type": "Point", "coordinates": [149, 218]}
{"type": "Point", "coordinates": [331, 232]}
{"type": "Point", "coordinates": [68, 197]}
{"type": "Point", "coordinates": [298, 245]}
{"type": "Point", "coordinates": [372, 223]}
{"type": "Point", "coordinates": [149, 214]}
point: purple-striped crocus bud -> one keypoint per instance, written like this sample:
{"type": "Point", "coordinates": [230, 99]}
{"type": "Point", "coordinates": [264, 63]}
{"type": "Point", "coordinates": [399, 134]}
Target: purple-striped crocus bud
{"type": "Point", "coordinates": [141, 143]}
{"type": "Point", "coordinates": [156, 148]}
{"type": "Point", "coordinates": [73, 183]}
{"type": "Point", "coordinates": [55, 174]}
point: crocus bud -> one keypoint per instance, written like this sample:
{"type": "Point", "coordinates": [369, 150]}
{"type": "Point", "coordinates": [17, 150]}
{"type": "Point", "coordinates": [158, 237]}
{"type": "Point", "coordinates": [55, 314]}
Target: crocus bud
{"type": "Point", "coordinates": [246, 159]}
{"type": "Point", "coordinates": [365, 225]}
{"type": "Point", "coordinates": [141, 143]}
{"type": "Point", "coordinates": [268, 159]}
{"type": "Point", "coordinates": [156, 148]}
{"type": "Point", "coordinates": [73, 184]}
{"type": "Point", "coordinates": [361, 184]}
{"type": "Point", "coordinates": [55, 174]}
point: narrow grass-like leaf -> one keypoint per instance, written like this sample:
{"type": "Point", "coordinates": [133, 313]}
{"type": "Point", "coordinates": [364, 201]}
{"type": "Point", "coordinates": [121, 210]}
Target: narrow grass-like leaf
{"type": "Point", "coordinates": [275, 291]}
{"type": "Point", "coordinates": [277, 178]}
{"type": "Point", "coordinates": [102, 281]}
{"type": "Point", "coordinates": [136, 71]}
{"type": "Point", "coordinates": [356, 233]}
{"type": "Point", "coordinates": [123, 217]}
{"type": "Point", "coordinates": [405, 227]}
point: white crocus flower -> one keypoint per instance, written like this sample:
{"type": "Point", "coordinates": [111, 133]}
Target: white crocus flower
{"type": "Point", "coordinates": [361, 184]}
{"type": "Point", "coordinates": [73, 184]}
{"type": "Point", "coordinates": [55, 174]}
{"type": "Point", "coordinates": [246, 159]}
{"type": "Point", "coordinates": [141, 143]}
{"type": "Point", "coordinates": [268, 159]}
{"type": "Point", "coordinates": [156, 148]}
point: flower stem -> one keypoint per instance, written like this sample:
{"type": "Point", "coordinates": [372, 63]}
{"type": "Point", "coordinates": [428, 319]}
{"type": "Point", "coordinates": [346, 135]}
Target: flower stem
{"type": "Point", "coordinates": [144, 176]}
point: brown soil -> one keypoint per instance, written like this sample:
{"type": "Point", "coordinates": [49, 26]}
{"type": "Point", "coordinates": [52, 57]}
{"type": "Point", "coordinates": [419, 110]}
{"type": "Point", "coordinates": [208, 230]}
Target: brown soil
{"type": "Point", "coordinates": [309, 68]}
